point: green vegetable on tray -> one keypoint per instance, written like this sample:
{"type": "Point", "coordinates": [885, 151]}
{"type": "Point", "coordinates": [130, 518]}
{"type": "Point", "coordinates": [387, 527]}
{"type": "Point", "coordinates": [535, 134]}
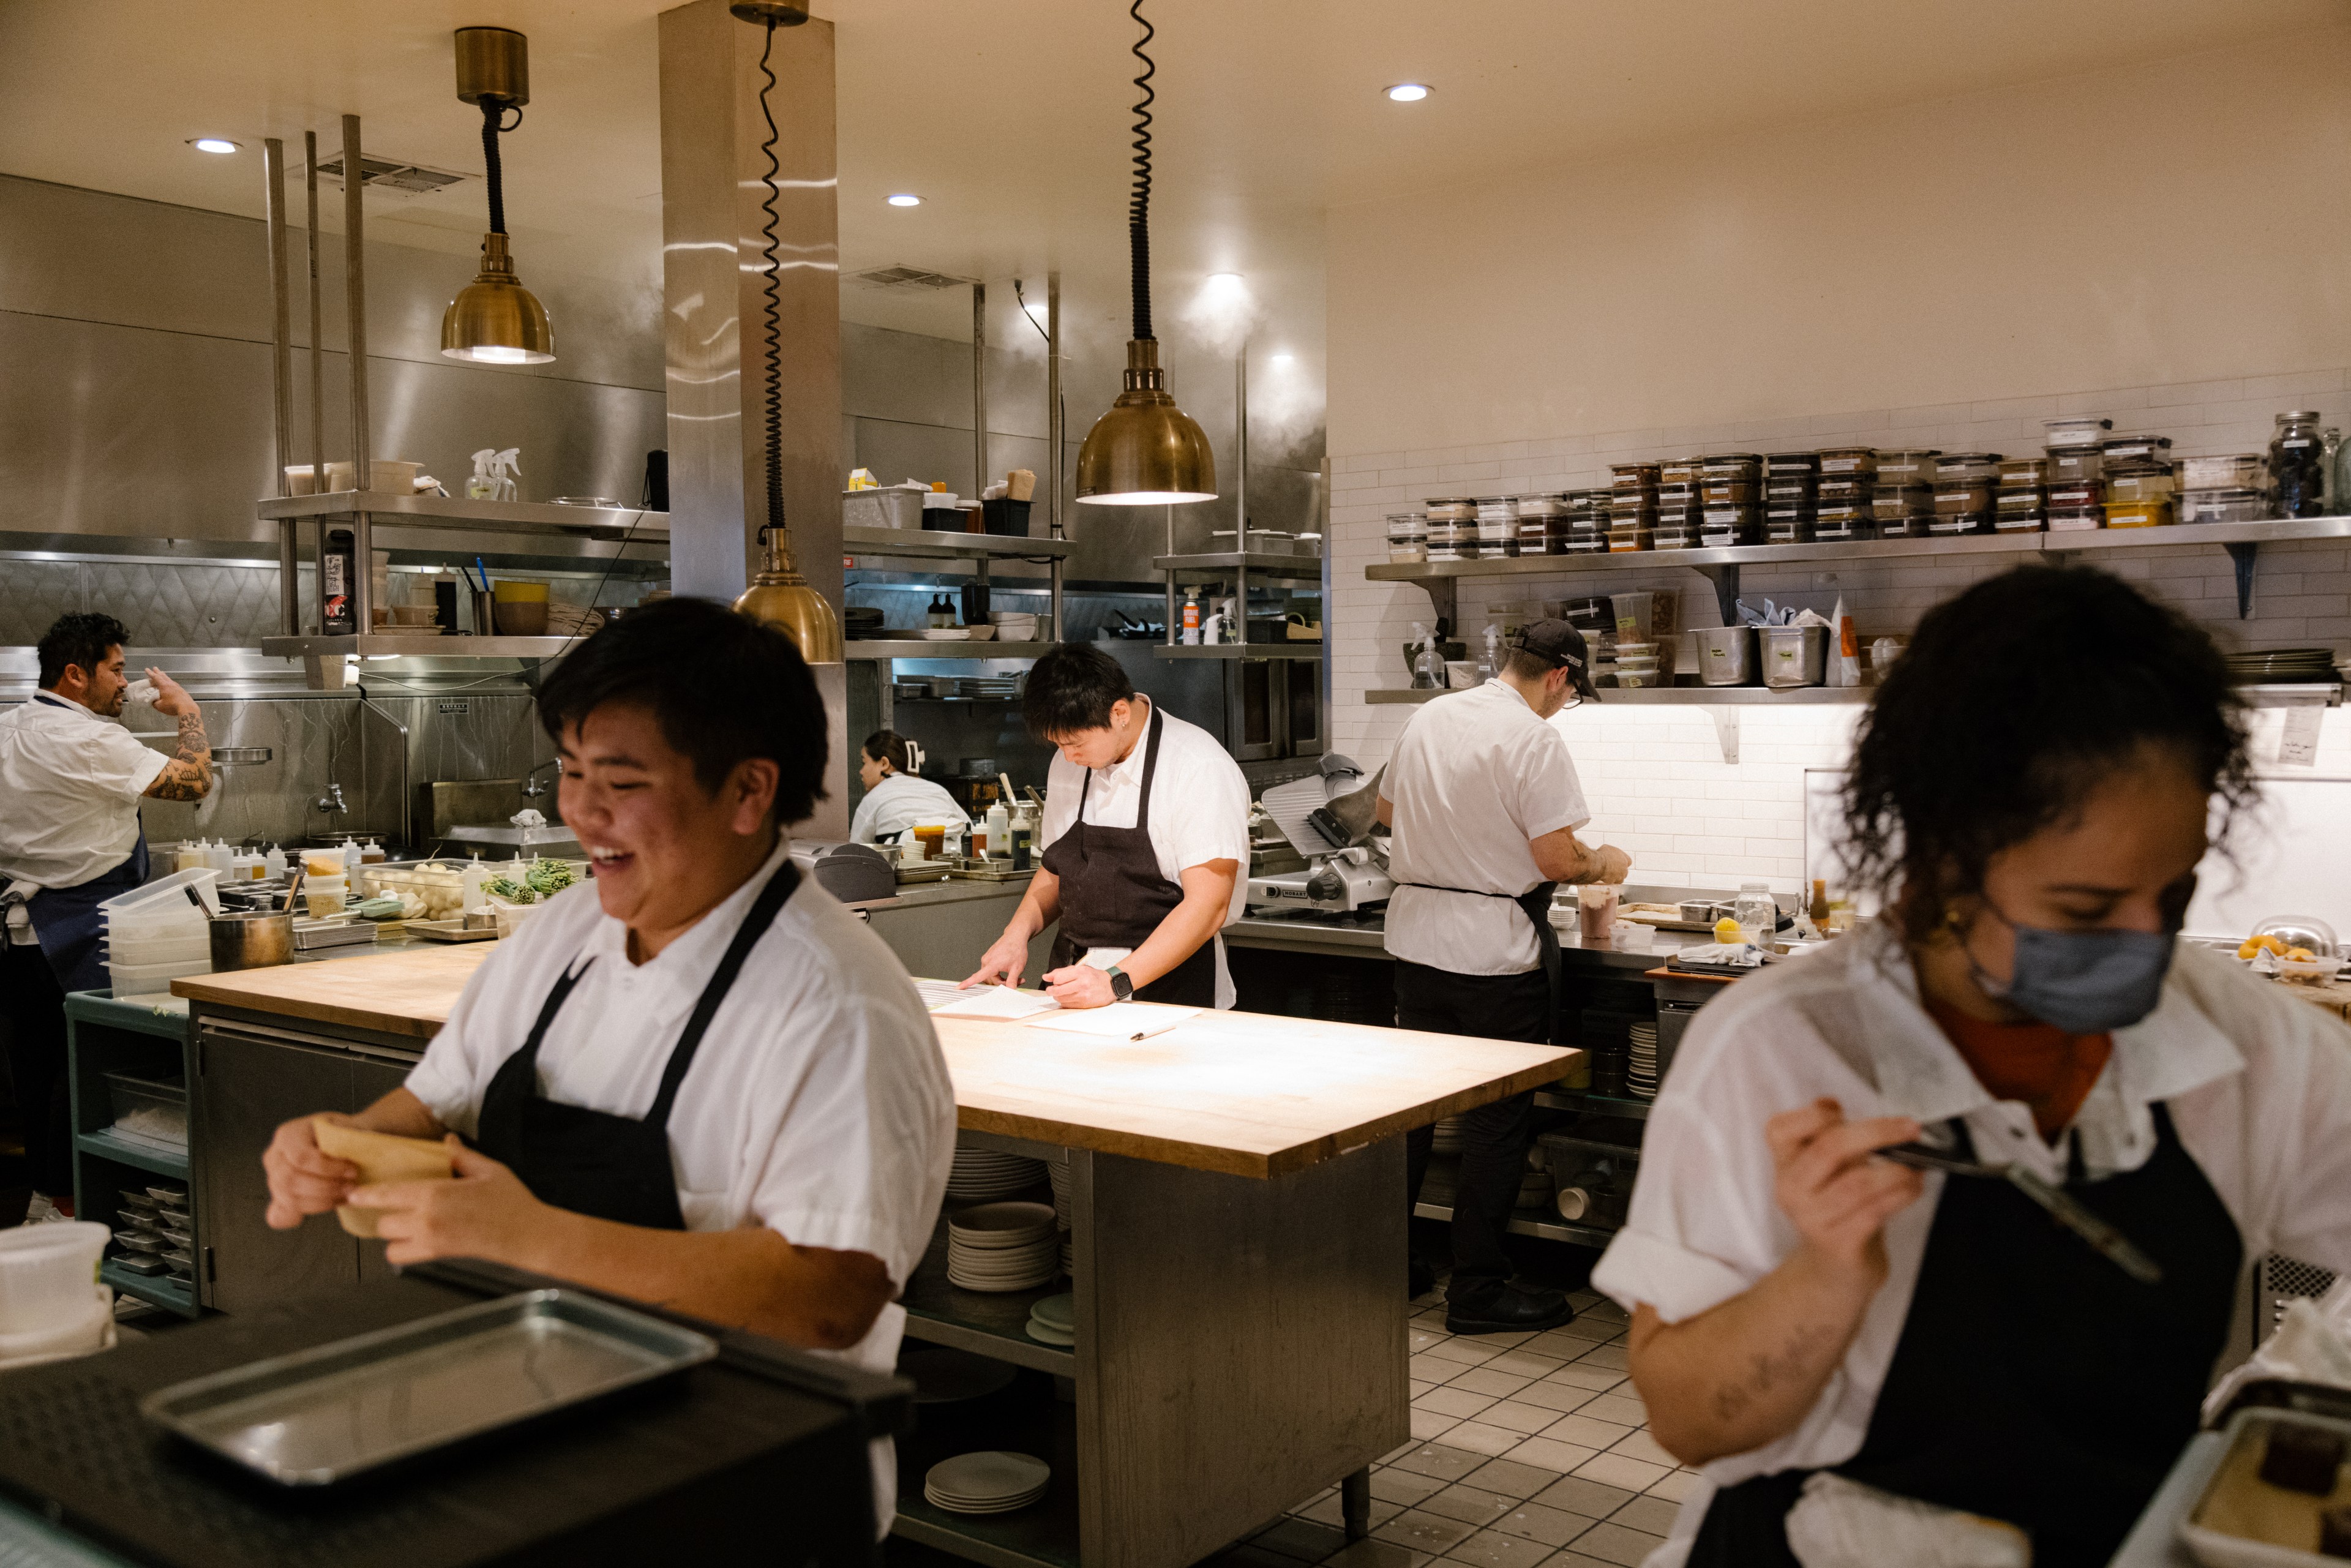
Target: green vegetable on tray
{"type": "Point", "coordinates": [549, 877]}
{"type": "Point", "coordinates": [508, 889]}
{"type": "Point", "coordinates": [384, 908]}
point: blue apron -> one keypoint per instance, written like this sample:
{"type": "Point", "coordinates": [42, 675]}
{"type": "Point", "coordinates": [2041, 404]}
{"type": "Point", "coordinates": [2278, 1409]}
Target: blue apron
{"type": "Point", "coordinates": [67, 921]}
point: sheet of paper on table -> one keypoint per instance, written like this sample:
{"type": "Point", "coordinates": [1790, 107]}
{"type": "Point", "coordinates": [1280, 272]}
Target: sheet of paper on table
{"type": "Point", "coordinates": [944, 1001]}
{"type": "Point", "coordinates": [1119, 1020]}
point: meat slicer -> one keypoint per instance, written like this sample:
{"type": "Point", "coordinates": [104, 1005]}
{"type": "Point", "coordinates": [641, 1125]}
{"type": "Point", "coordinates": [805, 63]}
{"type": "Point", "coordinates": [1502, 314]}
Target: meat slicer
{"type": "Point", "coordinates": [1328, 817]}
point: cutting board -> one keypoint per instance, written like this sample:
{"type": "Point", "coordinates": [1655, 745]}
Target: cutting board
{"type": "Point", "coordinates": [405, 993]}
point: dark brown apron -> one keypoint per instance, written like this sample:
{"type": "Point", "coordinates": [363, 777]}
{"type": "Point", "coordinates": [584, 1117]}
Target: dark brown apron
{"type": "Point", "coordinates": [1114, 895]}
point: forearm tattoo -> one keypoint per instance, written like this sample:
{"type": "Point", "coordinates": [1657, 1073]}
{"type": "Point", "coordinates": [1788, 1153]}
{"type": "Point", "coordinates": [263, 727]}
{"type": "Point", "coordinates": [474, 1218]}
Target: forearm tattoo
{"type": "Point", "coordinates": [1769, 1372]}
{"type": "Point", "coordinates": [189, 775]}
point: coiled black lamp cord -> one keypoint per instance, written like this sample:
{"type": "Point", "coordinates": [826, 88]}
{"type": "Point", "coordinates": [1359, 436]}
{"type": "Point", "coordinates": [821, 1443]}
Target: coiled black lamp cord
{"type": "Point", "coordinates": [774, 377]}
{"type": "Point", "coordinates": [1138, 219]}
{"type": "Point", "coordinates": [493, 115]}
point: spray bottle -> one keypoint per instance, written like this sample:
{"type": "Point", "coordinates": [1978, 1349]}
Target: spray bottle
{"type": "Point", "coordinates": [1427, 667]}
{"type": "Point", "coordinates": [1491, 665]}
{"type": "Point", "coordinates": [483, 485]}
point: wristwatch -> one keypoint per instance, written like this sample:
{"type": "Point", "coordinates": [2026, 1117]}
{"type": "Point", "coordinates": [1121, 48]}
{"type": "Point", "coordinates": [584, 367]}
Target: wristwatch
{"type": "Point", "coordinates": [1121, 983]}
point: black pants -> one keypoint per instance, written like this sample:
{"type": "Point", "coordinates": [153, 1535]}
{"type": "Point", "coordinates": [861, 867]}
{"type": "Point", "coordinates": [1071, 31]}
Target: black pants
{"type": "Point", "coordinates": [1494, 1138]}
{"type": "Point", "coordinates": [33, 1019]}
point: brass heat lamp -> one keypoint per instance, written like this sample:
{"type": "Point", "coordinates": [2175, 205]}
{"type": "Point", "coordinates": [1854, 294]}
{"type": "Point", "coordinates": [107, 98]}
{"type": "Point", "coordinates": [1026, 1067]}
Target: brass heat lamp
{"type": "Point", "coordinates": [495, 321]}
{"type": "Point", "coordinates": [782, 598]}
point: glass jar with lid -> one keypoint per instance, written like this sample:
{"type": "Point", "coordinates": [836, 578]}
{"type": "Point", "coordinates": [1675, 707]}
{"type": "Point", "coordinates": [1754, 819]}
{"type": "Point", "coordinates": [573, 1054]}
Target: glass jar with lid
{"type": "Point", "coordinates": [2298, 466]}
{"type": "Point", "coordinates": [1757, 912]}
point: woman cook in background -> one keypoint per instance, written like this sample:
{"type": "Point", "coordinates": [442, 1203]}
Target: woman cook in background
{"type": "Point", "coordinates": [897, 796]}
{"type": "Point", "coordinates": [1838, 1340]}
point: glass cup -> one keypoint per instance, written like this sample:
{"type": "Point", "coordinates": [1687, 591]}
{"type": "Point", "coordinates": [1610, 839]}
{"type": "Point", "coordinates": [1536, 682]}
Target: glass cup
{"type": "Point", "coordinates": [1595, 912]}
{"type": "Point", "coordinates": [932, 840]}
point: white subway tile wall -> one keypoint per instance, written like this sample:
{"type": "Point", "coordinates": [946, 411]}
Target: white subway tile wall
{"type": "Point", "coordinates": [1654, 776]}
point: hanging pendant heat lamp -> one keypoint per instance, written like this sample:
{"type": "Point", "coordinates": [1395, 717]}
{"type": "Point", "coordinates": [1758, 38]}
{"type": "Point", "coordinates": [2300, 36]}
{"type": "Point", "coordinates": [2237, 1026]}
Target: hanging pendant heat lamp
{"type": "Point", "coordinates": [495, 321]}
{"type": "Point", "coordinates": [779, 595]}
{"type": "Point", "coordinates": [1145, 451]}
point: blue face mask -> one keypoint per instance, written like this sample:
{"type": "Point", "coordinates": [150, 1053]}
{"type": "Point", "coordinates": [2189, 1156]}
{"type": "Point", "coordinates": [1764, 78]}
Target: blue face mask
{"type": "Point", "coordinates": [2084, 982]}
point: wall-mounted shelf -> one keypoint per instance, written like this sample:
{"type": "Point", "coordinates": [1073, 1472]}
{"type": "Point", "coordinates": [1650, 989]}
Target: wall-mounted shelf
{"type": "Point", "coordinates": [457, 512]}
{"type": "Point", "coordinates": [866, 648]}
{"type": "Point", "coordinates": [1722, 564]}
{"type": "Point", "coordinates": [419, 644]}
{"type": "Point", "coordinates": [933, 544]}
{"type": "Point", "coordinates": [1672, 697]}
{"type": "Point", "coordinates": [1241, 651]}
{"type": "Point", "coordinates": [1257, 564]}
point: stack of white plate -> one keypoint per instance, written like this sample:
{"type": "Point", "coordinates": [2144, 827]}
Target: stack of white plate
{"type": "Point", "coordinates": [1003, 1247]}
{"type": "Point", "coordinates": [1057, 1168]}
{"type": "Point", "coordinates": [990, 1481]}
{"type": "Point", "coordinates": [1069, 1256]}
{"type": "Point", "coordinates": [1449, 1136]}
{"type": "Point", "coordinates": [984, 1173]}
{"type": "Point", "coordinates": [1054, 1319]}
{"type": "Point", "coordinates": [1641, 1064]}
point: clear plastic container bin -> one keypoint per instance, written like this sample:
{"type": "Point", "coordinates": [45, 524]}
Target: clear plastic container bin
{"type": "Point", "coordinates": [2076, 465]}
{"type": "Point", "coordinates": [1848, 460]}
{"type": "Point", "coordinates": [1844, 520]}
{"type": "Point", "coordinates": [1632, 475]}
{"type": "Point", "coordinates": [1893, 506]}
{"type": "Point", "coordinates": [2076, 493]}
{"type": "Point", "coordinates": [1970, 522]}
{"type": "Point", "coordinates": [147, 979]}
{"type": "Point", "coordinates": [166, 895]}
{"type": "Point", "coordinates": [2136, 449]}
{"type": "Point", "coordinates": [2074, 519]}
{"type": "Point", "coordinates": [2016, 499]}
{"type": "Point", "coordinates": [1623, 537]}
{"type": "Point", "coordinates": [2023, 470]}
{"type": "Point", "coordinates": [1451, 509]}
{"type": "Point", "coordinates": [2236, 471]}
{"type": "Point", "coordinates": [2022, 522]}
{"type": "Point", "coordinates": [1731, 466]}
{"type": "Point", "coordinates": [1913, 466]}
{"type": "Point", "coordinates": [1791, 463]}
{"type": "Point", "coordinates": [1847, 486]}
{"type": "Point", "coordinates": [2074, 432]}
{"type": "Point", "coordinates": [1728, 493]}
{"type": "Point", "coordinates": [1955, 496]}
{"type": "Point", "coordinates": [2154, 514]}
{"type": "Point", "coordinates": [1676, 534]}
{"type": "Point", "coordinates": [2142, 482]}
{"type": "Point", "coordinates": [1679, 471]}
{"type": "Point", "coordinates": [1968, 468]}
{"type": "Point", "coordinates": [1539, 505]}
{"type": "Point", "coordinates": [2239, 505]}
{"type": "Point", "coordinates": [1792, 489]}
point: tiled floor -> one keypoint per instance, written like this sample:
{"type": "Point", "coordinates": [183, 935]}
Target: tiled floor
{"type": "Point", "coordinates": [1528, 1450]}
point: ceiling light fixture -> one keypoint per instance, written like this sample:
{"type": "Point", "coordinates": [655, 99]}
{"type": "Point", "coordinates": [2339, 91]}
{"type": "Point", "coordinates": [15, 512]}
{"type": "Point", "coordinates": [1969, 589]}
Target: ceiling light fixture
{"type": "Point", "coordinates": [905, 199]}
{"type": "Point", "coordinates": [495, 321]}
{"type": "Point", "coordinates": [212, 144]}
{"type": "Point", "coordinates": [1408, 92]}
{"type": "Point", "coordinates": [1145, 451]}
{"type": "Point", "coordinates": [778, 594]}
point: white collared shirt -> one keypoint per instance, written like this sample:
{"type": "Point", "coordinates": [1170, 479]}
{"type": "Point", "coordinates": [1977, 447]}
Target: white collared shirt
{"type": "Point", "coordinates": [819, 1104]}
{"type": "Point", "coordinates": [2258, 1084]}
{"type": "Point", "coordinates": [1200, 813]}
{"type": "Point", "coordinates": [900, 801]}
{"type": "Point", "coordinates": [71, 782]}
{"type": "Point", "coordinates": [1477, 777]}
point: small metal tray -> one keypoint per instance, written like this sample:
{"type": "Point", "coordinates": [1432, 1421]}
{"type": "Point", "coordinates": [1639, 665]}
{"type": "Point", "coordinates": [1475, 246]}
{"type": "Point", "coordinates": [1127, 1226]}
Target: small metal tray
{"type": "Point", "coordinates": [325, 1414]}
{"type": "Point", "coordinates": [972, 869]}
{"type": "Point", "coordinates": [451, 931]}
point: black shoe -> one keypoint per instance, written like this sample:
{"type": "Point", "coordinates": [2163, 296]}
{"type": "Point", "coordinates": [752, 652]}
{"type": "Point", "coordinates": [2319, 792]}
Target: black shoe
{"type": "Point", "coordinates": [1513, 1309]}
{"type": "Point", "coordinates": [1423, 1281]}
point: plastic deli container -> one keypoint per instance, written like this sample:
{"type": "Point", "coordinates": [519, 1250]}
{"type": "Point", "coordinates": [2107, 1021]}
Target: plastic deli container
{"type": "Point", "coordinates": [2070, 519]}
{"type": "Point", "coordinates": [1627, 535]}
{"type": "Point", "coordinates": [1539, 505]}
{"type": "Point", "coordinates": [2013, 499]}
{"type": "Point", "coordinates": [1972, 467]}
{"type": "Point", "coordinates": [1401, 551]}
{"type": "Point", "coordinates": [1731, 466]}
{"type": "Point", "coordinates": [1792, 489]}
{"type": "Point", "coordinates": [2152, 514]}
{"type": "Point", "coordinates": [1778, 463]}
{"type": "Point", "coordinates": [2136, 449]}
{"type": "Point", "coordinates": [1533, 539]}
{"type": "Point", "coordinates": [1679, 471]}
{"type": "Point", "coordinates": [1632, 476]}
{"type": "Point", "coordinates": [2074, 432]}
{"type": "Point", "coordinates": [1451, 509]}
{"type": "Point", "coordinates": [2076, 465]}
{"type": "Point", "coordinates": [2239, 505]}
{"type": "Point", "coordinates": [1915, 465]}
{"type": "Point", "coordinates": [1979, 522]}
{"type": "Point", "coordinates": [2024, 522]}
{"type": "Point", "coordinates": [1678, 534]}
{"type": "Point", "coordinates": [1911, 526]}
{"type": "Point", "coordinates": [1794, 528]}
{"type": "Point", "coordinates": [1848, 460]}
{"type": "Point", "coordinates": [1843, 521]}
{"type": "Point", "coordinates": [1892, 506]}
{"type": "Point", "coordinates": [2238, 471]}
{"type": "Point", "coordinates": [1632, 509]}
{"type": "Point", "coordinates": [2146, 482]}
{"type": "Point", "coordinates": [1952, 497]}
{"type": "Point", "coordinates": [2017, 471]}
{"type": "Point", "coordinates": [2075, 495]}
{"type": "Point", "coordinates": [1717, 492]}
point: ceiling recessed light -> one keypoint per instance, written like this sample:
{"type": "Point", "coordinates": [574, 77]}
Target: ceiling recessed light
{"type": "Point", "coordinates": [904, 200]}
{"type": "Point", "coordinates": [211, 144]}
{"type": "Point", "coordinates": [1284, 358]}
{"type": "Point", "coordinates": [1409, 91]}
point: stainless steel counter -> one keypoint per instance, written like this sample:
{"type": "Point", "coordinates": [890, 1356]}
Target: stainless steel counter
{"type": "Point", "coordinates": [1631, 948]}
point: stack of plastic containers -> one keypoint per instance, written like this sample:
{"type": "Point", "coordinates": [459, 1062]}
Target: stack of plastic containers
{"type": "Point", "coordinates": [1680, 504]}
{"type": "Point", "coordinates": [1586, 522]}
{"type": "Point", "coordinates": [2077, 473]}
{"type": "Point", "coordinates": [1452, 527]}
{"type": "Point", "coordinates": [1541, 522]}
{"type": "Point", "coordinates": [2231, 489]}
{"type": "Point", "coordinates": [1498, 526]}
{"type": "Point", "coordinates": [2021, 505]}
{"type": "Point", "coordinates": [1631, 505]}
{"type": "Point", "coordinates": [2138, 480]}
{"type": "Point", "coordinates": [1408, 537]}
{"type": "Point", "coordinates": [1963, 489]}
{"type": "Point", "coordinates": [1848, 484]}
{"type": "Point", "coordinates": [160, 932]}
{"type": "Point", "coordinates": [1730, 492]}
{"type": "Point", "coordinates": [1791, 496]}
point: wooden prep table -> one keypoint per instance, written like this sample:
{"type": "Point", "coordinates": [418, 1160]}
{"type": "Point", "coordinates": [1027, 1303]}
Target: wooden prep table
{"type": "Point", "coordinates": [1238, 1237]}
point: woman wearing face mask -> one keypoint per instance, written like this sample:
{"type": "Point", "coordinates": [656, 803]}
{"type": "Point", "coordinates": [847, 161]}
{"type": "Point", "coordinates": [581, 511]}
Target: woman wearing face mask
{"type": "Point", "coordinates": [897, 796]}
{"type": "Point", "coordinates": [1855, 1352]}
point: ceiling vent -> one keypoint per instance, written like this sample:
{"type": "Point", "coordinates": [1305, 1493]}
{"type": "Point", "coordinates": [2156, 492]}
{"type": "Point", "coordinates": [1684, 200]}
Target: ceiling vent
{"type": "Point", "coordinates": [391, 177]}
{"type": "Point", "coordinates": [908, 279]}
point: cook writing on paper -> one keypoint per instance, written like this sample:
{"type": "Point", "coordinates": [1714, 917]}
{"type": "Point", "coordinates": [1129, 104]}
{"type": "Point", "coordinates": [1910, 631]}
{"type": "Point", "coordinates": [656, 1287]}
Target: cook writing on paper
{"type": "Point", "coordinates": [1848, 1347]}
{"type": "Point", "coordinates": [700, 1082]}
{"type": "Point", "coordinates": [1146, 833]}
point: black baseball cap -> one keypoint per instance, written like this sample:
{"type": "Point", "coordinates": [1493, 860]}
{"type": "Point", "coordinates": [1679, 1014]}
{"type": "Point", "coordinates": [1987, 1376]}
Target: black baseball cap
{"type": "Point", "coordinates": [1562, 645]}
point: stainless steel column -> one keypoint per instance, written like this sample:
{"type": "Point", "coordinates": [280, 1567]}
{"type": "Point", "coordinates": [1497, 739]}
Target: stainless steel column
{"type": "Point", "coordinates": [281, 372]}
{"type": "Point", "coordinates": [979, 480]}
{"type": "Point", "coordinates": [318, 361]}
{"type": "Point", "coordinates": [355, 330]}
{"type": "Point", "coordinates": [1054, 437]}
{"type": "Point", "coordinates": [1240, 446]}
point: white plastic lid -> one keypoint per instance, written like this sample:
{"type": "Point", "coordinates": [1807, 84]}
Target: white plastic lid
{"type": "Point", "coordinates": [1754, 887]}
{"type": "Point", "coordinates": [150, 899]}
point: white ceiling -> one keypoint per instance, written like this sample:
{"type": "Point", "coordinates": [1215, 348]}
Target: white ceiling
{"type": "Point", "coordinates": [1009, 116]}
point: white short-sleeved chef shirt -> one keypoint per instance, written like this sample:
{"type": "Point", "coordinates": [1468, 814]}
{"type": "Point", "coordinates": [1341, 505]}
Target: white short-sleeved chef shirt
{"type": "Point", "coordinates": [1476, 778]}
{"type": "Point", "coordinates": [1200, 813]}
{"type": "Point", "coordinates": [819, 1104]}
{"type": "Point", "coordinates": [71, 782]}
{"type": "Point", "coordinates": [2258, 1084]}
{"type": "Point", "coordinates": [900, 801]}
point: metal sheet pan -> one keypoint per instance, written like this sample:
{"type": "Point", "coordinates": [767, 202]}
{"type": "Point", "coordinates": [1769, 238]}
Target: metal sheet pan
{"type": "Point", "coordinates": [324, 1415]}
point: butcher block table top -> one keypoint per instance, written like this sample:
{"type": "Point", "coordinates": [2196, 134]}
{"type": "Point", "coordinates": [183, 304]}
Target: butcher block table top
{"type": "Point", "coordinates": [1244, 1093]}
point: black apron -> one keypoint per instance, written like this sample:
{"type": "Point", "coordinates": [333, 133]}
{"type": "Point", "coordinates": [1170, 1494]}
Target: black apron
{"type": "Point", "coordinates": [66, 919]}
{"type": "Point", "coordinates": [2034, 1381]}
{"type": "Point", "coordinates": [592, 1162]}
{"type": "Point", "coordinates": [1114, 895]}
{"type": "Point", "coordinates": [1535, 905]}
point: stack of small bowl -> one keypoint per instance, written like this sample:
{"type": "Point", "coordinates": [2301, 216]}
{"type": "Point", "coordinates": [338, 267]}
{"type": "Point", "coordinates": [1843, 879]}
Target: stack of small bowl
{"type": "Point", "coordinates": [1003, 1247]}
{"type": "Point", "coordinates": [1014, 625]}
{"type": "Point", "coordinates": [1054, 1319]}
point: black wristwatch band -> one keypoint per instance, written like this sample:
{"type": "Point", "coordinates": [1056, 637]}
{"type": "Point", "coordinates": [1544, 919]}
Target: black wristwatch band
{"type": "Point", "coordinates": [1121, 983]}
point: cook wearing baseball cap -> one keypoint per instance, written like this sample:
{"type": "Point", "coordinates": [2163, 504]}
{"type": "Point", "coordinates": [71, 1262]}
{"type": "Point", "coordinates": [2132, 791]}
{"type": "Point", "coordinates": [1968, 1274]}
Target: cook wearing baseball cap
{"type": "Point", "coordinates": [1484, 802]}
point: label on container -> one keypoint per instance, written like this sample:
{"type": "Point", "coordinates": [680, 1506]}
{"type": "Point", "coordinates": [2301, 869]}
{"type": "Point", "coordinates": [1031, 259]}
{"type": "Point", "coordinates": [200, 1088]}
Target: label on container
{"type": "Point", "coordinates": [1840, 465]}
{"type": "Point", "coordinates": [2299, 440]}
{"type": "Point", "coordinates": [2298, 745]}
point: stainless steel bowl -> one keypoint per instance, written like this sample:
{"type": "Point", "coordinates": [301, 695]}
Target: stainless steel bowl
{"type": "Point", "coordinates": [254, 941]}
{"type": "Point", "coordinates": [1726, 655]}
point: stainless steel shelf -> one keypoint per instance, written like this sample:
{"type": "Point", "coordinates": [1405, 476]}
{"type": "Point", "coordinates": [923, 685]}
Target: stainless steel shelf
{"type": "Point", "coordinates": [1283, 567]}
{"type": "Point", "coordinates": [1721, 555]}
{"type": "Point", "coordinates": [1241, 651]}
{"type": "Point", "coordinates": [938, 545]}
{"type": "Point", "coordinates": [456, 512]}
{"type": "Point", "coordinates": [858, 650]}
{"type": "Point", "coordinates": [2269, 530]}
{"type": "Point", "coordinates": [1549, 1229]}
{"type": "Point", "coordinates": [417, 645]}
{"type": "Point", "coordinates": [1672, 697]}
{"type": "Point", "coordinates": [1599, 1105]}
